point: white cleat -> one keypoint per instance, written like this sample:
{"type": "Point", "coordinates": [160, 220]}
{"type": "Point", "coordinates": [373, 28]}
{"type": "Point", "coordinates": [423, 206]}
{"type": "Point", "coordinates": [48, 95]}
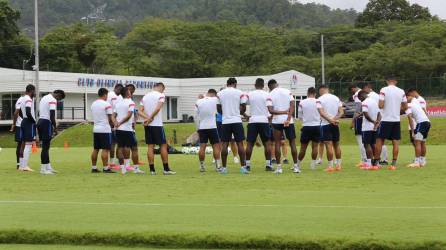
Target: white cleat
{"type": "Point", "coordinates": [50, 169]}
{"type": "Point", "coordinates": [26, 169]}
{"type": "Point", "coordinates": [138, 171]}
{"type": "Point", "coordinates": [170, 172]}
{"type": "Point", "coordinates": [124, 170]}
{"type": "Point", "coordinates": [202, 169]}
{"type": "Point", "coordinates": [46, 172]}
{"type": "Point", "coordinates": [278, 171]}
{"type": "Point", "coordinates": [296, 170]}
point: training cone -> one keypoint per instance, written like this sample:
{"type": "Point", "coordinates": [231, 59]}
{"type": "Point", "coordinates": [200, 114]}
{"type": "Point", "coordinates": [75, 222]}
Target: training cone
{"type": "Point", "coordinates": [34, 148]}
{"type": "Point", "coordinates": [66, 145]}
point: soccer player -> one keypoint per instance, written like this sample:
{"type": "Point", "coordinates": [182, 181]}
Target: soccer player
{"type": "Point", "coordinates": [47, 127]}
{"type": "Point", "coordinates": [125, 135]}
{"type": "Point", "coordinates": [28, 126]}
{"type": "Point", "coordinates": [282, 107]}
{"type": "Point", "coordinates": [310, 131]}
{"type": "Point", "coordinates": [232, 144]}
{"type": "Point", "coordinates": [151, 110]}
{"type": "Point", "coordinates": [232, 106]}
{"type": "Point", "coordinates": [414, 93]}
{"type": "Point", "coordinates": [330, 110]}
{"type": "Point", "coordinates": [258, 123]}
{"type": "Point", "coordinates": [134, 149]}
{"type": "Point", "coordinates": [207, 128]}
{"type": "Point", "coordinates": [392, 100]}
{"type": "Point", "coordinates": [368, 88]}
{"type": "Point", "coordinates": [102, 114]}
{"type": "Point", "coordinates": [417, 113]}
{"type": "Point", "coordinates": [357, 121]}
{"type": "Point", "coordinates": [113, 98]}
{"type": "Point", "coordinates": [372, 118]}
{"type": "Point", "coordinates": [15, 127]}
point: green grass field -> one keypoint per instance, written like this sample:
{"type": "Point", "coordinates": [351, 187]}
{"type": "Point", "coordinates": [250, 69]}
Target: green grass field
{"type": "Point", "coordinates": [405, 209]}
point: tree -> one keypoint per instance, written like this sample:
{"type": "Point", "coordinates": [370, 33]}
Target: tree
{"type": "Point", "coordinates": [392, 10]}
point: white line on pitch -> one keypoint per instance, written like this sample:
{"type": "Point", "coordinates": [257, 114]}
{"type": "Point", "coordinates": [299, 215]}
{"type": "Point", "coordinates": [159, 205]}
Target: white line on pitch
{"type": "Point", "coordinates": [5, 202]}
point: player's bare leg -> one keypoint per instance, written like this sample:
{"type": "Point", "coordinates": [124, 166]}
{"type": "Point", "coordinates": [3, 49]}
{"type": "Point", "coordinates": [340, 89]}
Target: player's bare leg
{"type": "Point", "coordinates": [151, 158]}
{"type": "Point", "coordinates": [216, 150]}
{"type": "Point", "coordinates": [235, 152]}
{"type": "Point", "coordinates": [202, 156]}
{"type": "Point", "coordinates": [329, 149]}
{"type": "Point", "coordinates": [277, 134]}
{"type": "Point", "coordinates": [338, 154]}
{"type": "Point", "coordinates": [126, 155]}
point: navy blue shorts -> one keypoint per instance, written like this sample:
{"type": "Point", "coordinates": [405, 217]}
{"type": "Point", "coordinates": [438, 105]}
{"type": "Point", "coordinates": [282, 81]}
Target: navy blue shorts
{"type": "Point", "coordinates": [102, 141]}
{"type": "Point", "coordinates": [423, 128]}
{"type": "Point", "coordinates": [45, 129]}
{"type": "Point", "coordinates": [209, 135]}
{"type": "Point", "coordinates": [290, 132]}
{"type": "Point", "coordinates": [330, 132]}
{"type": "Point", "coordinates": [258, 129]}
{"type": "Point", "coordinates": [389, 131]}
{"type": "Point", "coordinates": [155, 135]}
{"type": "Point", "coordinates": [358, 125]}
{"type": "Point", "coordinates": [28, 130]}
{"type": "Point", "coordinates": [369, 137]}
{"type": "Point", "coordinates": [233, 129]}
{"type": "Point", "coordinates": [114, 138]}
{"type": "Point", "coordinates": [18, 134]}
{"type": "Point", "coordinates": [125, 139]}
{"type": "Point", "coordinates": [220, 129]}
{"type": "Point", "coordinates": [310, 133]}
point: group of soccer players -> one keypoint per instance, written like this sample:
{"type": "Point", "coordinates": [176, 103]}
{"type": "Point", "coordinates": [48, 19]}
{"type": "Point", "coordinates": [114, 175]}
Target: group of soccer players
{"type": "Point", "coordinates": [270, 116]}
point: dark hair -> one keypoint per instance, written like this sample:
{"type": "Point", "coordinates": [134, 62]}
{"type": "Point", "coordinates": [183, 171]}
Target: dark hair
{"type": "Point", "coordinates": [260, 83]}
{"type": "Point", "coordinates": [323, 87]}
{"type": "Point", "coordinates": [272, 82]}
{"type": "Point", "coordinates": [231, 81]}
{"type": "Point", "coordinates": [30, 88]}
{"type": "Point", "coordinates": [131, 85]}
{"type": "Point", "coordinates": [119, 86]}
{"type": "Point", "coordinates": [60, 93]}
{"type": "Point", "coordinates": [390, 78]}
{"type": "Point", "coordinates": [362, 93]}
{"type": "Point", "coordinates": [367, 84]}
{"type": "Point", "coordinates": [212, 91]}
{"type": "Point", "coordinates": [159, 84]}
{"type": "Point", "coordinates": [352, 86]}
{"type": "Point", "coordinates": [124, 91]}
{"type": "Point", "coordinates": [102, 92]}
{"type": "Point", "coordinates": [410, 90]}
{"type": "Point", "coordinates": [311, 91]}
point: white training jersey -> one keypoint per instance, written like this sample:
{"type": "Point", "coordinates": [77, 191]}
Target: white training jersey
{"type": "Point", "coordinates": [100, 110]}
{"type": "Point", "coordinates": [113, 99]}
{"type": "Point", "coordinates": [122, 108]}
{"type": "Point", "coordinates": [422, 102]}
{"type": "Point", "coordinates": [369, 106]}
{"type": "Point", "coordinates": [355, 97]}
{"type": "Point", "coordinates": [417, 112]}
{"type": "Point", "coordinates": [258, 105]}
{"type": "Point", "coordinates": [206, 111]}
{"type": "Point", "coordinates": [18, 106]}
{"type": "Point", "coordinates": [393, 97]}
{"type": "Point", "coordinates": [47, 103]}
{"type": "Point", "coordinates": [280, 101]}
{"type": "Point", "coordinates": [374, 96]}
{"type": "Point", "coordinates": [27, 102]}
{"type": "Point", "coordinates": [230, 100]}
{"type": "Point", "coordinates": [149, 102]}
{"type": "Point", "coordinates": [331, 104]}
{"type": "Point", "coordinates": [308, 112]}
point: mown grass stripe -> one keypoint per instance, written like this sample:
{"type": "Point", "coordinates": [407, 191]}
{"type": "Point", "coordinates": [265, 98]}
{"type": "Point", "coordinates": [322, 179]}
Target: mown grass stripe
{"type": "Point", "coordinates": [201, 241]}
{"type": "Point", "coordinates": [5, 202]}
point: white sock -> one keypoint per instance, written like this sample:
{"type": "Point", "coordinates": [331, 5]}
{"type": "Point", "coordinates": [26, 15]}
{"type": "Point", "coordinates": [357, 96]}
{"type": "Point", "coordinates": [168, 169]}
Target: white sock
{"type": "Point", "coordinates": [313, 163]}
{"type": "Point", "coordinates": [202, 164]}
{"type": "Point", "coordinates": [248, 163]}
{"type": "Point", "coordinates": [43, 167]}
{"type": "Point", "coordinates": [369, 162]}
{"type": "Point", "coordinates": [338, 161]}
{"type": "Point", "coordinates": [112, 160]}
{"type": "Point", "coordinates": [297, 163]}
{"type": "Point", "coordinates": [122, 166]}
{"type": "Point", "coordinates": [26, 154]}
{"type": "Point", "coordinates": [384, 153]}
{"type": "Point", "coordinates": [218, 163]}
{"type": "Point", "coordinates": [21, 163]}
{"type": "Point", "coordinates": [361, 147]}
{"type": "Point", "coordinates": [136, 167]}
{"type": "Point", "coordinates": [94, 167]}
{"type": "Point", "coordinates": [330, 163]}
{"type": "Point", "coordinates": [423, 160]}
{"type": "Point", "coordinates": [279, 167]}
{"type": "Point", "coordinates": [268, 163]}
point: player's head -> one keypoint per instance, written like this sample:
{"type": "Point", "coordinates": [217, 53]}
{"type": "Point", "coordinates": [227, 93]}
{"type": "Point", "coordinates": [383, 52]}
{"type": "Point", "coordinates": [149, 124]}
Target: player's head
{"type": "Point", "coordinates": [323, 89]}
{"type": "Point", "coordinates": [311, 92]}
{"type": "Point", "coordinates": [260, 83]}
{"type": "Point", "coordinates": [409, 96]}
{"type": "Point", "coordinates": [102, 93]}
{"type": "Point", "coordinates": [30, 90]}
{"type": "Point", "coordinates": [353, 88]}
{"type": "Point", "coordinates": [159, 86]}
{"type": "Point", "coordinates": [125, 92]}
{"type": "Point", "coordinates": [59, 94]}
{"type": "Point", "coordinates": [362, 95]}
{"type": "Point", "coordinates": [132, 88]}
{"type": "Point", "coordinates": [272, 84]}
{"type": "Point", "coordinates": [212, 93]}
{"type": "Point", "coordinates": [367, 87]}
{"type": "Point", "coordinates": [391, 80]}
{"type": "Point", "coordinates": [118, 88]}
{"type": "Point", "coordinates": [231, 82]}
{"type": "Point", "coordinates": [412, 92]}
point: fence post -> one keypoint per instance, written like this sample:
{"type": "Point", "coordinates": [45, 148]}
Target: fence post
{"type": "Point", "coordinates": [72, 113]}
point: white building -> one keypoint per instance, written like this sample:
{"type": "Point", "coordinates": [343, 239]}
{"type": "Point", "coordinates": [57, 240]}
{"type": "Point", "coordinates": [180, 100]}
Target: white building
{"type": "Point", "coordinates": [81, 90]}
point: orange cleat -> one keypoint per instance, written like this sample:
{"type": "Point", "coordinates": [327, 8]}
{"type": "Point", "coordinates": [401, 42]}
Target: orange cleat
{"type": "Point", "coordinates": [329, 170]}
{"type": "Point", "coordinates": [366, 167]}
{"type": "Point", "coordinates": [360, 165]}
{"type": "Point", "coordinates": [338, 168]}
{"type": "Point", "coordinates": [392, 168]}
{"type": "Point", "coordinates": [375, 168]}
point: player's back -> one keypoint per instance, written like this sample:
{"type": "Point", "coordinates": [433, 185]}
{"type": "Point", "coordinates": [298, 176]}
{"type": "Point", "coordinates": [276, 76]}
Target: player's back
{"type": "Point", "coordinates": [99, 111]}
{"type": "Point", "coordinates": [122, 109]}
{"type": "Point", "coordinates": [392, 97]}
{"type": "Point", "coordinates": [18, 105]}
{"type": "Point", "coordinates": [207, 110]}
{"type": "Point", "coordinates": [280, 100]}
{"type": "Point", "coordinates": [46, 104]}
{"type": "Point", "coordinates": [258, 105]}
{"type": "Point", "coordinates": [309, 113]}
{"type": "Point", "coordinates": [374, 96]}
{"type": "Point", "coordinates": [417, 111]}
{"type": "Point", "coordinates": [331, 104]}
{"type": "Point", "coordinates": [27, 101]}
{"type": "Point", "coordinates": [230, 100]}
{"type": "Point", "coordinates": [150, 101]}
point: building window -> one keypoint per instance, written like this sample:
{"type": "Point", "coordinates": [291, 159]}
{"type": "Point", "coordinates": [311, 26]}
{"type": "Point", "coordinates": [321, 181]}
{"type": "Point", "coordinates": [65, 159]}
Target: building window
{"type": "Point", "coordinates": [172, 108]}
{"type": "Point", "coordinates": [7, 107]}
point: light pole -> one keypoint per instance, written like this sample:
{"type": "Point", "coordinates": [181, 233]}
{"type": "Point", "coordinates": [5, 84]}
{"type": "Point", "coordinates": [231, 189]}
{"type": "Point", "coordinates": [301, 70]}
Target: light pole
{"type": "Point", "coordinates": [323, 59]}
{"type": "Point", "coordinates": [37, 65]}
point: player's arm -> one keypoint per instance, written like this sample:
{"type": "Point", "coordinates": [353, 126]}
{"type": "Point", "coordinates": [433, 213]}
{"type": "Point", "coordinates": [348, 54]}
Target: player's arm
{"type": "Point", "coordinates": [275, 112]}
{"type": "Point", "coordinates": [111, 120]}
{"type": "Point", "coordinates": [290, 113]}
{"type": "Point", "coordinates": [340, 112]}
{"type": "Point", "coordinates": [14, 119]}
{"type": "Point", "coordinates": [126, 119]}
{"type": "Point", "coordinates": [142, 113]}
{"type": "Point", "coordinates": [243, 109]}
{"type": "Point", "coordinates": [324, 115]}
{"type": "Point", "coordinates": [53, 119]}
{"type": "Point", "coordinates": [367, 116]}
{"type": "Point", "coordinates": [29, 114]}
{"type": "Point", "coordinates": [158, 108]}
{"type": "Point", "coordinates": [378, 121]}
{"type": "Point", "coordinates": [381, 104]}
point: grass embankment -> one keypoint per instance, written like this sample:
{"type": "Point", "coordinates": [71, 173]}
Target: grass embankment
{"type": "Point", "coordinates": [81, 135]}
